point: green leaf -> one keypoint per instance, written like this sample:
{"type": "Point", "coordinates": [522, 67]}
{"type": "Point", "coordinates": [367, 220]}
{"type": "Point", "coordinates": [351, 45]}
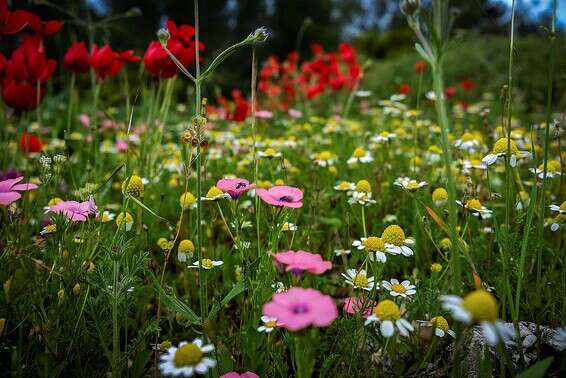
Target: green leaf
{"type": "Point", "coordinates": [538, 370]}
{"type": "Point", "coordinates": [174, 303]}
{"type": "Point", "coordinates": [423, 53]}
{"type": "Point", "coordinates": [141, 204]}
{"type": "Point", "coordinates": [236, 290]}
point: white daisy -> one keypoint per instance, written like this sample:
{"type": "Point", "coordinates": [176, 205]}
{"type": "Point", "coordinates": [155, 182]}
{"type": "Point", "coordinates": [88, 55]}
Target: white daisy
{"type": "Point", "coordinates": [374, 246]}
{"type": "Point", "coordinates": [345, 186]}
{"type": "Point", "coordinates": [476, 208]}
{"type": "Point", "coordinates": [396, 289]}
{"type": "Point", "coordinates": [441, 327]}
{"type": "Point", "coordinates": [359, 279]}
{"type": "Point", "coordinates": [388, 315]}
{"type": "Point", "coordinates": [383, 137]}
{"type": "Point", "coordinates": [409, 183]}
{"type": "Point", "coordinates": [207, 264]}
{"type": "Point", "coordinates": [341, 252]}
{"type": "Point", "coordinates": [187, 359]}
{"type": "Point", "coordinates": [269, 324]}
{"type": "Point", "coordinates": [500, 150]}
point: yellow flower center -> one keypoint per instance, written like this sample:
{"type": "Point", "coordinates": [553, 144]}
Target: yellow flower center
{"type": "Point", "coordinates": [473, 204]}
{"type": "Point", "coordinates": [207, 263]}
{"type": "Point", "coordinates": [271, 324]}
{"type": "Point", "coordinates": [325, 155]}
{"type": "Point", "coordinates": [51, 228]}
{"type": "Point", "coordinates": [393, 235]}
{"type": "Point", "coordinates": [214, 192]}
{"type": "Point", "coordinates": [384, 134]}
{"type": "Point", "coordinates": [133, 186]}
{"type": "Point", "coordinates": [439, 194]}
{"type": "Point", "coordinates": [373, 243]}
{"type": "Point", "coordinates": [124, 218]}
{"type": "Point", "coordinates": [387, 310]}
{"type": "Point", "coordinates": [165, 345]}
{"type": "Point", "coordinates": [440, 322]}
{"type": "Point", "coordinates": [412, 185]}
{"type": "Point", "coordinates": [54, 201]}
{"type": "Point", "coordinates": [186, 246]}
{"type": "Point", "coordinates": [398, 288]}
{"type": "Point", "coordinates": [481, 305]}
{"type": "Point", "coordinates": [359, 152]}
{"type": "Point", "coordinates": [360, 280]}
{"type": "Point", "coordinates": [551, 166]}
{"type": "Point", "coordinates": [344, 185]}
{"type": "Point", "coordinates": [269, 152]}
{"type": "Point", "coordinates": [187, 199]}
{"type": "Point", "coordinates": [436, 268]}
{"type": "Point", "coordinates": [187, 355]}
{"type": "Point", "coordinates": [363, 186]}
{"type": "Point", "coordinates": [467, 137]}
{"type": "Point", "coordinates": [500, 147]}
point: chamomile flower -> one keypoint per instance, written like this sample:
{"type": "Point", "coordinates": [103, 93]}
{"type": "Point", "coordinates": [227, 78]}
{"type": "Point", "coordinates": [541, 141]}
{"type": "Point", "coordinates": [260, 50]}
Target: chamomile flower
{"type": "Point", "coordinates": [341, 252]}
{"type": "Point", "coordinates": [188, 201]}
{"type": "Point", "coordinates": [207, 264]}
{"type": "Point", "coordinates": [478, 307]}
{"type": "Point", "coordinates": [439, 196]}
{"type": "Point", "coordinates": [361, 194]}
{"type": "Point", "coordinates": [345, 186]}
{"type": "Point", "coordinates": [396, 289]}
{"type": "Point", "coordinates": [359, 279]}
{"type": "Point", "coordinates": [269, 153]}
{"type": "Point", "coordinates": [215, 194]}
{"type": "Point", "coordinates": [383, 137]}
{"type": "Point", "coordinates": [441, 327]}
{"type": "Point", "coordinates": [374, 246]}
{"type": "Point", "coordinates": [467, 142]}
{"type": "Point", "coordinates": [125, 221]}
{"type": "Point", "coordinates": [395, 241]}
{"type": "Point", "coordinates": [269, 324]}
{"type": "Point", "coordinates": [185, 250]}
{"type": "Point", "coordinates": [499, 150]}
{"type": "Point", "coordinates": [324, 159]}
{"type": "Point", "coordinates": [360, 156]}
{"type": "Point", "coordinates": [560, 209]}
{"type": "Point", "coordinates": [187, 359]}
{"type": "Point", "coordinates": [476, 208]}
{"type": "Point", "coordinates": [49, 229]}
{"type": "Point", "coordinates": [388, 315]}
{"type": "Point", "coordinates": [433, 154]}
{"type": "Point", "coordinates": [106, 216]}
{"type": "Point", "coordinates": [553, 169]}
{"type": "Point", "coordinates": [409, 184]}
{"type": "Point", "coordinates": [288, 226]}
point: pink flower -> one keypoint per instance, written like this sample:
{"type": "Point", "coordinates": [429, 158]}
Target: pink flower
{"type": "Point", "coordinates": [9, 190]}
{"type": "Point", "coordinates": [75, 211]}
{"type": "Point", "coordinates": [352, 305]}
{"type": "Point", "coordinates": [300, 261]}
{"type": "Point", "coordinates": [265, 114]}
{"type": "Point", "coordinates": [233, 374]}
{"type": "Point", "coordinates": [234, 187]}
{"type": "Point", "coordinates": [282, 196]}
{"type": "Point", "coordinates": [295, 113]}
{"type": "Point", "coordinates": [298, 308]}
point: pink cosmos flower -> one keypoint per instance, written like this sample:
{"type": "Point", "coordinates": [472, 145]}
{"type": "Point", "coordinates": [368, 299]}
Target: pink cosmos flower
{"type": "Point", "coordinates": [353, 305]}
{"type": "Point", "coordinates": [9, 190]}
{"type": "Point", "coordinates": [75, 211]}
{"type": "Point", "coordinates": [265, 114]}
{"type": "Point", "coordinates": [300, 261]}
{"type": "Point", "coordinates": [234, 187]}
{"type": "Point", "coordinates": [282, 196]}
{"type": "Point", "coordinates": [298, 308]}
{"type": "Point", "coordinates": [233, 374]}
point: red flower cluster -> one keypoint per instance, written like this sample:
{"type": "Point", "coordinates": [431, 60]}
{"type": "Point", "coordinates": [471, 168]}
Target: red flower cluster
{"type": "Point", "coordinates": [282, 81]}
{"type": "Point", "coordinates": [181, 44]}
{"type": "Point", "coordinates": [236, 109]}
{"type": "Point", "coordinates": [107, 62]}
{"type": "Point", "coordinates": [12, 22]}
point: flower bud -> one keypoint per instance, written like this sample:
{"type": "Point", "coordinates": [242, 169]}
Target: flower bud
{"type": "Point", "coordinates": [163, 35]}
{"type": "Point", "coordinates": [259, 35]}
{"type": "Point", "coordinates": [410, 7]}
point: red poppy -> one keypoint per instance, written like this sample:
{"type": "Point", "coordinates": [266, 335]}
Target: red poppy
{"type": "Point", "coordinates": [12, 22]}
{"type": "Point", "coordinates": [467, 85]}
{"type": "Point", "coordinates": [107, 62]}
{"type": "Point", "coordinates": [44, 28]}
{"type": "Point", "coordinates": [76, 58]}
{"type": "Point", "coordinates": [31, 143]}
{"type": "Point", "coordinates": [404, 88]}
{"type": "Point", "coordinates": [420, 66]}
{"type": "Point", "coordinates": [450, 92]}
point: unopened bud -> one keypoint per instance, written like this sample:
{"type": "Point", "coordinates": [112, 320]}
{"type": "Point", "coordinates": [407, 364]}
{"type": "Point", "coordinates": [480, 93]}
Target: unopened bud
{"type": "Point", "coordinates": [163, 35]}
{"type": "Point", "coordinates": [410, 7]}
{"type": "Point", "coordinates": [259, 35]}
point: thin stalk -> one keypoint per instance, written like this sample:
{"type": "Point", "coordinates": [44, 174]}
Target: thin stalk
{"type": "Point", "coordinates": [115, 327]}
{"type": "Point", "coordinates": [70, 106]}
{"type": "Point", "coordinates": [254, 138]}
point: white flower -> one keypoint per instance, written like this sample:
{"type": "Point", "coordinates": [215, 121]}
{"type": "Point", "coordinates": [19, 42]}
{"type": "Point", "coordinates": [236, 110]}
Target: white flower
{"type": "Point", "coordinates": [500, 150]}
{"type": "Point", "coordinates": [361, 198]}
{"type": "Point", "coordinates": [396, 289]}
{"type": "Point", "coordinates": [269, 324]}
{"type": "Point", "coordinates": [374, 246]}
{"type": "Point", "coordinates": [549, 174]}
{"type": "Point", "coordinates": [477, 209]}
{"type": "Point", "coordinates": [360, 156]}
{"type": "Point", "coordinates": [278, 286]}
{"type": "Point", "coordinates": [288, 226]}
{"type": "Point", "coordinates": [187, 359]}
{"type": "Point", "coordinates": [404, 249]}
{"type": "Point", "coordinates": [383, 137]}
{"type": "Point", "coordinates": [207, 264]}
{"type": "Point", "coordinates": [359, 279]}
{"type": "Point", "coordinates": [558, 208]}
{"type": "Point", "coordinates": [341, 252]}
{"type": "Point", "coordinates": [345, 186]}
{"type": "Point", "coordinates": [106, 216]}
{"type": "Point", "coordinates": [388, 314]}
{"type": "Point", "coordinates": [409, 184]}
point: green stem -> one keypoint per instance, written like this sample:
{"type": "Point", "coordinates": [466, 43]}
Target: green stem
{"type": "Point", "coordinates": [115, 326]}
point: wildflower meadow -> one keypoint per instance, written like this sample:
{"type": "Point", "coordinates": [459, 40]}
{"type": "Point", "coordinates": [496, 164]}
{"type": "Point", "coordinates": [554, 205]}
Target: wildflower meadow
{"type": "Point", "coordinates": [306, 223]}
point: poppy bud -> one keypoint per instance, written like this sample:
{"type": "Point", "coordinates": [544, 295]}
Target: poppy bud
{"type": "Point", "coordinates": [163, 36]}
{"type": "Point", "coordinates": [410, 7]}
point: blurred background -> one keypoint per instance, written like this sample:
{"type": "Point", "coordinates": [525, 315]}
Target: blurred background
{"type": "Point", "coordinates": [376, 28]}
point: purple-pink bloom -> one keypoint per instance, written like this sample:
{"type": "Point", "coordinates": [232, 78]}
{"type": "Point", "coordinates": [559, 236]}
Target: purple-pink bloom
{"type": "Point", "coordinates": [282, 196]}
{"type": "Point", "coordinates": [352, 305]}
{"type": "Point", "coordinates": [233, 374]}
{"type": "Point", "coordinates": [75, 211]}
{"type": "Point", "coordinates": [298, 308]}
{"type": "Point", "coordinates": [300, 261]}
{"type": "Point", "coordinates": [9, 190]}
{"type": "Point", "coordinates": [234, 187]}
